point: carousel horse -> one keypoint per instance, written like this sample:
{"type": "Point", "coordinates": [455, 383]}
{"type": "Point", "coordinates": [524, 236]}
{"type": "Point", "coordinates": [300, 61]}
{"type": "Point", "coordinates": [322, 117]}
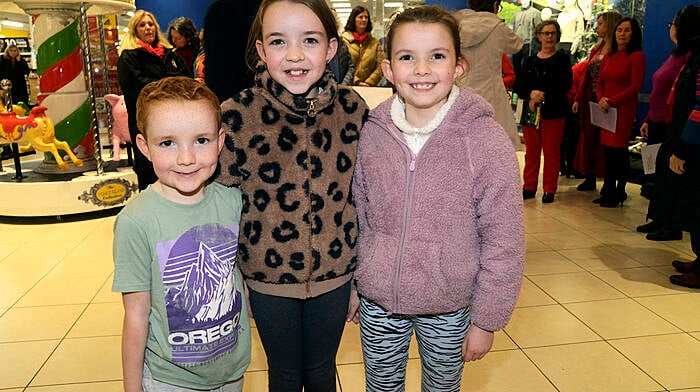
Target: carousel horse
{"type": "Point", "coordinates": [37, 130]}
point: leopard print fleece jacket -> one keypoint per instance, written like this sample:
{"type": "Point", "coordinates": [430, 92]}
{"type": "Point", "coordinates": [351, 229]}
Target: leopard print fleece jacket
{"type": "Point", "coordinates": [293, 159]}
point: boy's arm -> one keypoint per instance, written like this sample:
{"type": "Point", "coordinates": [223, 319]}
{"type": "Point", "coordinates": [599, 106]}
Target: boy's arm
{"type": "Point", "coordinates": [137, 306]}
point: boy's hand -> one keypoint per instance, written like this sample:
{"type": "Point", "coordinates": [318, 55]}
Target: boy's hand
{"type": "Point", "coordinates": [476, 344]}
{"type": "Point", "coordinates": [137, 307]}
{"type": "Point", "coordinates": [354, 307]}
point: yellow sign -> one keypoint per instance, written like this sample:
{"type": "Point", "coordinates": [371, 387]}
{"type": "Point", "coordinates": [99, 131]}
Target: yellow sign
{"type": "Point", "coordinates": [110, 21]}
{"type": "Point", "coordinates": [111, 193]}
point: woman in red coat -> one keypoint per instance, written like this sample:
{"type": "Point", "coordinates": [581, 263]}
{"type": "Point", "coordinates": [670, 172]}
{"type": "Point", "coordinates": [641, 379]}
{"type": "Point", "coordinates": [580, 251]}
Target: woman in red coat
{"type": "Point", "coordinates": [621, 79]}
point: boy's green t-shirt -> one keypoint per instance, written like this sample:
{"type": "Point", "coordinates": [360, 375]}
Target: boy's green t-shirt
{"type": "Point", "coordinates": [185, 255]}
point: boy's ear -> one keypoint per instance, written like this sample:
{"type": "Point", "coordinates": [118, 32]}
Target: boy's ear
{"type": "Point", "coordinates": [221, 138]}
{"type": "Point", "coordinates": [332, 49]}
{"type": "Point", "coordinates": [386, 69]}
{"type": "Point", "coordinates": [142, 144]}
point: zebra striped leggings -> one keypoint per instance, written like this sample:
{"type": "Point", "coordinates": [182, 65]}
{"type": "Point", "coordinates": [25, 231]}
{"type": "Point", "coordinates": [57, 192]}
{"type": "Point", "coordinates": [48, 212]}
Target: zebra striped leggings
{"type": "Point", "coordinates": [385, 341]}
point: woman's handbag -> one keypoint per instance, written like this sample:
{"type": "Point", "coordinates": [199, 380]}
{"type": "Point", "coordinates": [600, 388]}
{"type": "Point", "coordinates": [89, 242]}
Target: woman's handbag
{"type": "Point", "coordinates": [525, 116]}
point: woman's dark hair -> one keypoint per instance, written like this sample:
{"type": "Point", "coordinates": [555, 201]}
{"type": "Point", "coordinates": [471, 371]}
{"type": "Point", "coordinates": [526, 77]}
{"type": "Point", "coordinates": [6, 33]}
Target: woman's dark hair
{"type": "Point", "coordinates": [687, 22]}
{"type": "Point", "coordinates": [483, 5]}
{"type": "Point", "coordinates": [350, 25]}
{"type": "Point", "coordinates": [636, 40]}
{"type": "Point", "coordinates": [545, 23]}
{"type": "Point", "coordinates": [424, 14]}
{"type": "Point", "coordinates": [186, 28]}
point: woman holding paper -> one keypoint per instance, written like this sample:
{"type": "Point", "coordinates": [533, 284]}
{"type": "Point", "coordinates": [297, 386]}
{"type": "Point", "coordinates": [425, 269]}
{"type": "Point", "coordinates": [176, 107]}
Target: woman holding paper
{"type": "Point", "coordinates": [621, 79]}
{"type": "Point", "coordinates": [544, 78]}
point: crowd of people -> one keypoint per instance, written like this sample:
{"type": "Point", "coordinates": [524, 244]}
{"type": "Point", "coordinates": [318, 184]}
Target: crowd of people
{"type": "Point", "coordinates": [407, 218]}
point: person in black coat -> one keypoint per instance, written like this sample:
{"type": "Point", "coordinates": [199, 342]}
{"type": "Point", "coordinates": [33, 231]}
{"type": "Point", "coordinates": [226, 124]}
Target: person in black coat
{"type": "Point", "coordinates": [145, 56]}
{"type": "Point", "coordinates": [226, 27]}
{"type": "Point", "coordinates": [676, 201]}
{"type": "Point", "coordinates": [14, 68]}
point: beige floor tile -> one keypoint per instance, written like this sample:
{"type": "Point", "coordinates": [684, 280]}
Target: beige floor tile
{"type": "Point", "coordinates": [106, 294]}
{"type": "Point", "coordinates": [599, 258]}
{"type": "Point", "coordinates": [495, 373]}
{"type": "Point", "coordinates": [11, 292]}
{"type": "Point", "coordinates": [686, 390]}
{"type": "Point", "coordinates": [676, 309]}
{"type": "Point", "coordinates": [82, 360]}
{"type": "Point", "coordinates": [501, 342]}
{"type": "Point", "coordinates": [7, 248]}
{"type": "Point", "coordinates": [531, 295]}
{"type": "Point", "coordinates": [255, 381]}
{"type": "Point", "coordinates": [82, 267]}
{"type": "Point", "coordinates": [352, 377]}
{"type": "Point", "coordinates": [350, 350]}
{"type": "Point", "coordinates": [62, 292]}
{"type": "Point", "coordinates": [567, 240]}
{"type": "Point", "coordinates": [13, 390]}
{"type": "Point", "coordinates": [20, 361]}
{"type": "Point", "coordinates": [43, 250]}
{"type": "Point", "coordinates": [593, 366]}
{"type": "Point", "coordinates": [25, 269]}
{"type": "Point", "coordinates": [107, 386]}
{"type": "Point", "coordinates": [576, 287]}
{"type": "Point", "coordinates": [69, 231]}
{"type": "Point", "coordinates": [532, 244]}
{"type": "Point", "coordinates": [258, 360]}
{"type": "Point", "coordinates": [547, 325]}
{"type": "Point", "coordinates": [544, 225]}
{"type": "Point", "coordinates": [637, 282]}
{"type": "Point", "coordinates": [38, 323]}
{"type": "Point", "coordinates": [548, 262]}
{"type": "Point", "coordinates": [652, 254]}
{"type": "Point", "coordinates": [671, 360]}
{"type": "Point", "coordinates": [99, 319]}
{"type": "Point", "coordinates": [620, 318]}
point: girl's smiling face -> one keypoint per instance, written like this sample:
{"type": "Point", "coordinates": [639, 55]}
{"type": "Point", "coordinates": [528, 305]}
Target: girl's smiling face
{"type": "Point", "coordinates": [423, 66]}
{"type": "Point", "coordinates": [294, 46]}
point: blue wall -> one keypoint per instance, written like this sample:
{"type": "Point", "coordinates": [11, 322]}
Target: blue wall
{"type": "Point", "coordinates": [450, 5]}
{"type": "Point", "coordinates": [167, 10]}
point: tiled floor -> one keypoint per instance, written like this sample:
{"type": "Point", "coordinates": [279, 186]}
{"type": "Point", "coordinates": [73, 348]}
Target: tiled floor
{"type": "Point", "coordinates": [596, 310]}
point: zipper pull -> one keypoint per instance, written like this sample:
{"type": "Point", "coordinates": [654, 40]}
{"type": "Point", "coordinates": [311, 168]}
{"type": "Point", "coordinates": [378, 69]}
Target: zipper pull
{"type": "Point", "coordinates": [311, 111]}
{"type": "Point", "coordinates": [412, 166]}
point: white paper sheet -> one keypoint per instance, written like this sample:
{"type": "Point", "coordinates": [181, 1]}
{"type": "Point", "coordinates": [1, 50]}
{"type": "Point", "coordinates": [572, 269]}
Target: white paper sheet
{"type": "Point", "coordinates": [606, 121]}
{"type": "Point", "coordinates": [649, 153]}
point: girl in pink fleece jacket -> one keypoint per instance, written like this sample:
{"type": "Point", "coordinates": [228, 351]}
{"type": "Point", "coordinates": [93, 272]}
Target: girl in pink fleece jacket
{"type": "Point", "coordinates": [441, 244]}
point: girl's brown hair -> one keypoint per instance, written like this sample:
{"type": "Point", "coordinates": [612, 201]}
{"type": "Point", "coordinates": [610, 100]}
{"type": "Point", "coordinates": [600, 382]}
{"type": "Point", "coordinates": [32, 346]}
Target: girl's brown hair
{"type": "Point", "coordinates": [424, 14]}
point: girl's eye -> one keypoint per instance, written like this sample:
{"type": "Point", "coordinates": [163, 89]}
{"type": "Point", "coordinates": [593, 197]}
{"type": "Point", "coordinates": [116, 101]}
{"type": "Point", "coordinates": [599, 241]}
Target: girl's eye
{"type": "Point", "coordinates": [276, 42]}
{"type": "Point", "coordinates": [311, 41]}
{"type": "Point", "coordinates": [405, 57]}
{"type": "Point", "coordinates": [439, 56]}
{"type": "Point", "coordinates": [202, 140]}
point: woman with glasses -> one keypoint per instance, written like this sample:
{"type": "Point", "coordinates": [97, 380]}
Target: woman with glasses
{"type": "Point", "coordinates": [543, 82]}
{"type": "Point", "coordinates": [621, 78]}
{"type": "Point", "coordinates": [484, 38]}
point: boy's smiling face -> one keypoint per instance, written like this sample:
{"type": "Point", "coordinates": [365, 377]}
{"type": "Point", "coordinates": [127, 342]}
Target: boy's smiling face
{"type": "Point", "coordinates": [183, 144]}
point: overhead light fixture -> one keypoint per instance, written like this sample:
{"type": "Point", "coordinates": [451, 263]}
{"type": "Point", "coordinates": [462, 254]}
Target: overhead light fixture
{"type": "Point", "coordinates": [12, 23]}
{"type": "Point", "coordinates": [341, 3]}
{"type": "Point", "coordinates": [393, 4]}
{"type": "Point", "coordinates": [130, 13]}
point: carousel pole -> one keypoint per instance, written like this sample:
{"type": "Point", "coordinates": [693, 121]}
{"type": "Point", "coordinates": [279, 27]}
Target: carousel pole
{"type": "Point", "coordinates": [90, 83]}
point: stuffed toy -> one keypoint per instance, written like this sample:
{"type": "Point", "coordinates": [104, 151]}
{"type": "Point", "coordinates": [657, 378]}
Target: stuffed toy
{"type": "Point", "coordinates": [120, 123]}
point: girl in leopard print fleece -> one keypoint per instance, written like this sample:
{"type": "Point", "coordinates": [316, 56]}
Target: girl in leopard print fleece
{"type": "Point", "coordinates": [290, 147]}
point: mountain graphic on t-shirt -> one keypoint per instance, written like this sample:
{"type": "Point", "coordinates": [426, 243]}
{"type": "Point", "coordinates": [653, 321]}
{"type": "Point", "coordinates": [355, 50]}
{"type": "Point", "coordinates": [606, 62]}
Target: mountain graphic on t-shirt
{"type": "Point", "coordinates": [207, 292]}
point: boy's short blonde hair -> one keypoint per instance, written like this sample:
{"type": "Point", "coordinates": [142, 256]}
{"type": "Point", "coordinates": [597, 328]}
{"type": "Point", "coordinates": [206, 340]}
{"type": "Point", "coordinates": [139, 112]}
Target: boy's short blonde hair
{"type": "Point", "coordinates": [175, 88]}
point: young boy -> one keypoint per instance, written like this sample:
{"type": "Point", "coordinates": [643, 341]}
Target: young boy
{"type": "Point", "coordinates": [186, 321]}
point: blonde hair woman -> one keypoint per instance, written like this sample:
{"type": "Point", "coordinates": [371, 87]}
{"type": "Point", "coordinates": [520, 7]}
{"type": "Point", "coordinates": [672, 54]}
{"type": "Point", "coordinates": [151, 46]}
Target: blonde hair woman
{"type": "Point", "coordinates": [144, 56]}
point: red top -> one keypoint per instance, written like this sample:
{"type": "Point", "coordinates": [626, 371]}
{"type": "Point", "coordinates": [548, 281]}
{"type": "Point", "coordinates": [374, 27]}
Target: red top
{"type": "Point", "coordinates": [621, 79]}
{"type": "Point", "coordinates": [508, 72]}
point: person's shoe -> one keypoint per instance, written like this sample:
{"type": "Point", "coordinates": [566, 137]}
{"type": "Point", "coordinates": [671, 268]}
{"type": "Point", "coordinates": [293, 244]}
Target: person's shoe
{"type": "Point", "coordinates": [528, 194]}
{"type": "Point", "coordinates": [587, 185]}
{"type": "Point", "coordinates": [684, 267]}
{"type": "Point", "coordinates": [6, 153]}
{"type": "Point", "coordinates": [665, 234]}
{"type": "Point", "coordinates": [691, 280]}
{"type": "Point", "coordinates": [649, 227]}
{"type": "Point", "coordinates": [598, 200]}
{"type": "Point", "coordinates": [548, 198]}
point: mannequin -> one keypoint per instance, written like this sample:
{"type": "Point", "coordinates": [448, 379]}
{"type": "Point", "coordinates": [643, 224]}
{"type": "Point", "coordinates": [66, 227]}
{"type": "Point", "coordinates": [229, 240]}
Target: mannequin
{"type": "Point", "coordinates": [572, 25]}
{"type": "Point", "coordinates": [524, 23]}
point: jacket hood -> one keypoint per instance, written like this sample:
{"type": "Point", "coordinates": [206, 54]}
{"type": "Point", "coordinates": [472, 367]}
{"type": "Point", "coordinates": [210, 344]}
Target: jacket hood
{"type": "Point", "coordinates": [468, 107]}
{"type": "Point", "coordinates": [475, 27]}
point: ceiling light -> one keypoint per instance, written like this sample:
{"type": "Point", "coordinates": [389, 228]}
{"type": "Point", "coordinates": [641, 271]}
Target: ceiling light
{"type": "Point", "coordinates": [12, 23]}
{"type": "Point", "coordinates": [341, 3]}
{"type": "Point", "coordinates": [393, 4]}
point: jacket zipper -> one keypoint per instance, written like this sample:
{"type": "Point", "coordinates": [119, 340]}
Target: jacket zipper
{"type": "Point", "coordinates": [404, 227]}
{"type": "Point", "coordinates": [310, 112]}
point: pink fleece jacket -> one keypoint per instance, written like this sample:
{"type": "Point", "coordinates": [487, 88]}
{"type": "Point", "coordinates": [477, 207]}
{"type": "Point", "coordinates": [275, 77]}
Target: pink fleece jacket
{"type": "Point", "coordinates": [443, 229]}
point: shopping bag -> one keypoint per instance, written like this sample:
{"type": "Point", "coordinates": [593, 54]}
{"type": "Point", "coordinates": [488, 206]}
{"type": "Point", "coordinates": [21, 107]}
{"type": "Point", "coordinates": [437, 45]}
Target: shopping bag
{"type": "Point", "coordinates": [525, 116]}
